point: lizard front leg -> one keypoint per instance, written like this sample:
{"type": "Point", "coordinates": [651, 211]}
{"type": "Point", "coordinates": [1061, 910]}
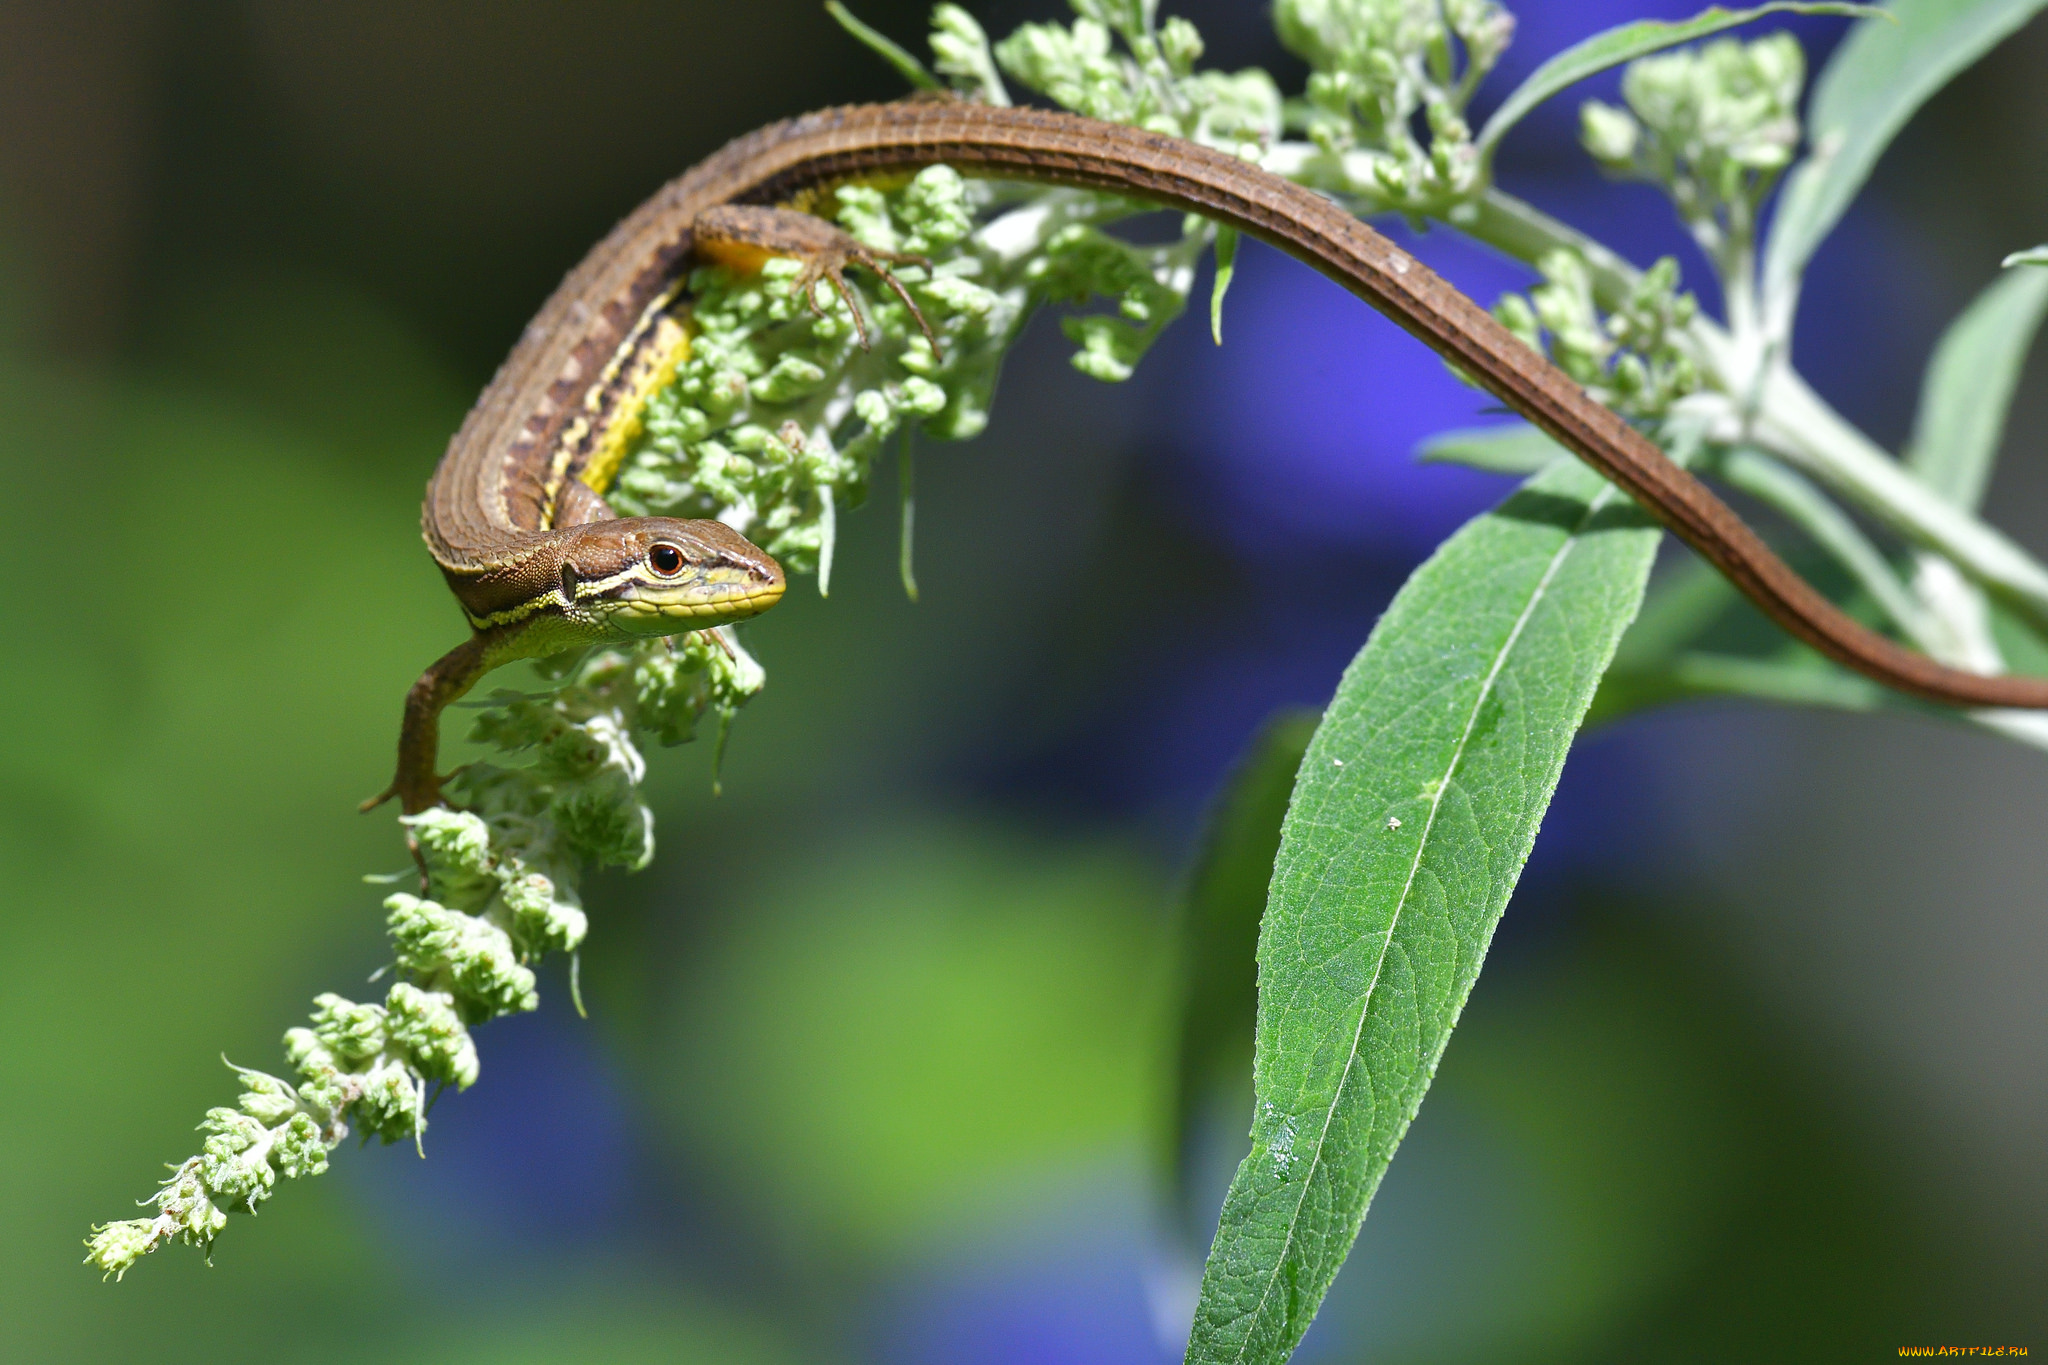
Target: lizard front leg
{"type": "Point", "coordinates": [417, 784]}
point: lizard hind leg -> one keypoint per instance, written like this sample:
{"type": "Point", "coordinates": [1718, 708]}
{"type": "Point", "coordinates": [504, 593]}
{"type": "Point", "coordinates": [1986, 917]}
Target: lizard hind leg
{"type": "Point", "coordinates": [742, 236]}
{"type": "Point", "coordinates": [875, 261]}
{"type": "Point", "coordinates": [831, 266]}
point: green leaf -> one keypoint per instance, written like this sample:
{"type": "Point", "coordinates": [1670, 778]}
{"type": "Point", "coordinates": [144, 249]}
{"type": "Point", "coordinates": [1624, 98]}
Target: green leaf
{"type": "Point", "coordinates": [1415, 810]}
{"type": "Point", "coordinates": [1624, 44]}
{"type": "Point", "coordinates": [1696, 636]}
{"type": "Point", "coordinates": [1225, 897]}
{"type": "Point", "coordinates": [1515, 449]}
{"type": "Point", "coordinates": [1798, 678]}
{"type": "Point", "coordinates": [909, 67]}
{"type": "Point", "coordinates": [1804, 679]}
{"type": "Point", "coordinates": [1832, 529]}
{"type": "Point", "coordinates": [1681, 608]}
{"type": "Point", "coordinates": [1969, 386]}
{"type": "Point", "coordinates": [1878, 77]}
{"type": "Point", "coordinates": [2021, 644]}
{"type": "Point", "coordinates": [2033, 256]}
{"type": "Point", "coordinates": [1226, 268]}
{"type": "Point", "coordinates": [906, 495]}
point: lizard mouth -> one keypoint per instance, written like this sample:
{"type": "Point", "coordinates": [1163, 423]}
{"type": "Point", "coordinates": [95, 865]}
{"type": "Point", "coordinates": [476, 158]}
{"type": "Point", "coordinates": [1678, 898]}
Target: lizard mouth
{"type": "Point", "coordinates": [716, 598]}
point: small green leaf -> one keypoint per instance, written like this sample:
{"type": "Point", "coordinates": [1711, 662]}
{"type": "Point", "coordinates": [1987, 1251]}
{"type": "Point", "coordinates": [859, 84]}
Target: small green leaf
{"type": "Point", "coordinates": [1225, 897]}
{"type": "Point", "coordinates": [1804, 679]}
{"type": "Point", "coordinates": [906, 490]}
{"type": "Point", "coordinates": [828, 537]}
{"type": "Point", "coordinates": [1698, 637]}
{"type": "Point", "coordinates": [909, 67]}
{"type": "Point", "coordinates": [1833, 530]}
{"type": "Point", "coordinates": [1798, 678]}
{"type": "Point", "coordinates": [2035, 256]}
{"type": "Point", "coordinates": [1624, 44]}
{"type": "Point", "coordinates": [1681, 608]}
{"type": "Point", "coordinates": [1880, 75]}
{"type": "Point", "coordinates": [1969, 386]}
{"type": "Point", "coordinates": [2018, 640]}
{"type": "Point", "coordinates": [1414, 812]}
{"type": "Point", "coordinates": [1514, 449]}
{"type": "Point", "coordinates": [1226, 267]}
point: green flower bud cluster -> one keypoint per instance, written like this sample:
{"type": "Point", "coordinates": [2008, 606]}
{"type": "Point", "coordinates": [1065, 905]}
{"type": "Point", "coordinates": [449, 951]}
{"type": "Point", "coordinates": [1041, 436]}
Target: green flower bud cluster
{"type": "Point", "coordinates": [1376, 64]}
{"type": "Point", "coordinates": [1631, 359]}
{"type": "Point", "coordinates": [960, 53]}
{"type": "Point", "coordinates": [578, 799]}
{"type": "Point", "coordinates": [499, 892]}
{"type": "Point", "coordinates": [772, 421]}
{"type": "Point", "coordinates": [1150, 285]}
{"type": "Point", "coordinates": [1152, 83]}
{"type": "Point", "coordinates": [275, 1131]}
{"type": "Point", "coordinates": [462, 953]}
{"type": "Point", "coordinates": [1713, 126]}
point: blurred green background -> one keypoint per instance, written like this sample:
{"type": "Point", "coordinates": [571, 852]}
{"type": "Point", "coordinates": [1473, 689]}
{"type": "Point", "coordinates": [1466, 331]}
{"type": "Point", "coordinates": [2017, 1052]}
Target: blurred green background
{"type": "Point", "coordinates": [878, 1050]}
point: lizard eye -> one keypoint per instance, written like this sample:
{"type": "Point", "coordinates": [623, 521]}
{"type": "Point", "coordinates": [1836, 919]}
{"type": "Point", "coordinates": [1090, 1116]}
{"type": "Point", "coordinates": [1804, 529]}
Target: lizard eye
{"type": "Point", "coordinates": [665, 559]}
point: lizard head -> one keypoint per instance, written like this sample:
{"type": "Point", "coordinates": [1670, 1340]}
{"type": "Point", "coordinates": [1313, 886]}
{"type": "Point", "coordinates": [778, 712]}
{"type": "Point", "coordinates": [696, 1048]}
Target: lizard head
{"type": "Point", "coordinates": [648, 576]}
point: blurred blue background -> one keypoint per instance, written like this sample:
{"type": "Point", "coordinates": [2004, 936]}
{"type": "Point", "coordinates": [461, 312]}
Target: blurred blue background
{"type": "Point", "coordinates": [879, 1049]}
